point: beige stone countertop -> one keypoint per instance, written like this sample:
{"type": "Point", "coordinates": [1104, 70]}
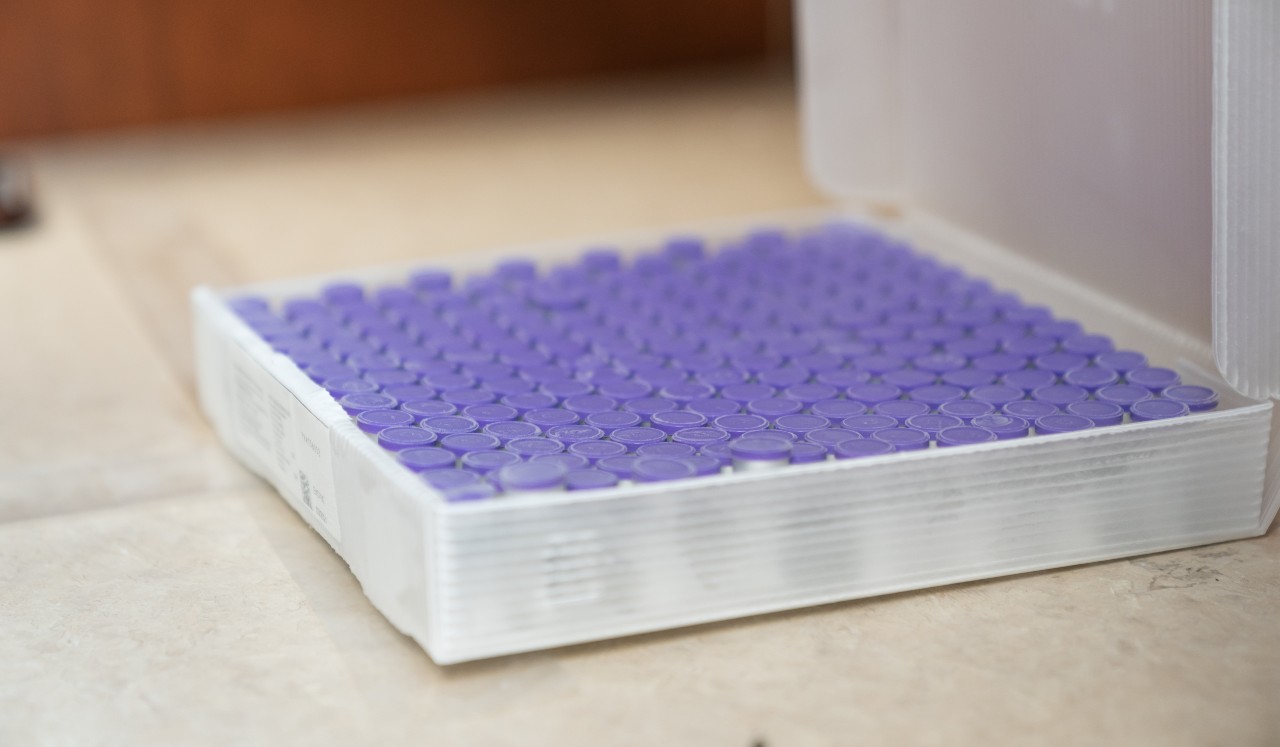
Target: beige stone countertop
{"type": "Point", "coordinates": [152, 592]}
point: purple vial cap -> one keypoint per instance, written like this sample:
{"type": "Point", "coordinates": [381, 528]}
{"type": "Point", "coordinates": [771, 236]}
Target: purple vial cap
{"type": "Point", "coordinates": [1124, 395]}
{"type": "Point", "coordinates": [646, 407]}
{"type": "Point", "coordinates": [348, 385]}
{"type": "Point", "coordinates": [700, 436]}
{"type": "Point", "coordinates": [807, 453]}
{"type": "Point", "coordinates": [399, 438]}
{"type": "Point", "coordinates": [808, 394]}
{"type": "Point", "coordinates": [843, 378]}
{"type": "Point", "coordinates": [966, 409]}
{"type": "Point", "coordinates": [1060, 395]}
{"type": "Point", "coordinates": [1029, 410]}
{"type": "Point", "coordinates": [1122, 361]}
{"type": "Point", "coordinates": [1196, 398]}
{"type": "Point", "coordinates": [754, 449]}
{"type": "Point", "coordinates": [585, 404]}
{"type": "Point", "coordinates": [426, 408]}
{"type": "Point", "coordinates": [355, 404]}
{"type": "Point", "coordinates": [342, 293]}
{"type": "Point", "coordinates": [704, 465]}
{"type": "Point", "coordinates": [564, 388]}
{"type": "Point", "coordinates": [838, 409]}
{"type": "Point", "coordinates": [467, 397]}
{"type": "Point", "coordinates": [430, 280]}
{"type": "Point", "coordinates": [1089, 345]}
{"type": "Point", "coordinates": [1062, 423]}
{"type": "Point", "coordinates": [490, 413]}
{"type": "Point", "coordinates": [546, 417]}
{"type": "Point", "coordinates": [633, 437]}
{"type": "Point", "coordinates": [865, 425]}
{"type": "Point", "coordinates": [1030, 346]}
{"type": "Point", "coordinates": [908, 379]}
{"type": "Point", "coordinates": [938, 394]}
{"type": "Point", "coordinates": [447, 381]}
{"type": "Point", "coordinates": [531, 446]}
{"type": "Point", "coordinates": [409, 393]}
{"type": "Point", "coordinates": [829, 437]}
{"type": "Point", "coordinates": [962, 435]}
{"type": "Point", "coordinates": [1101, 413]}
{"type": "Point", "coordinates": [784, 376]}
{"type": "Point", "coordinates": [1157, 409]}
{"type": "Point", "coordinates": [713, 408]}
{"type": "Point", "coordinates": [569, 461]}
{"type": "Point", "coordinates": [1000, 363]}
{"type": "Point", "coordinates": [618, 465]}
{"type": "Point", "coordinates": [450, 481]}
{"type": "Point", "coordinates": [1029, 379]}
{"type": "Point", "coordinates": [669, 449]}
{"type": "Point", "coordinates": [589, 479]}
{"type": "Point", "coordinates": [594, 451]}
{"type": "Point", "coordinates": [445, 424]}
{"type": "Point", "coordinates": [873, 394]}
{"type": "Point", "coordinates": [511, 386]}
{"type": "Point", "coordinates": [1153, 378]}
{"type": "Point", "coordinates": [722, 377]}
{"type": "Point", "coordinates": [901, 409]}
{"type": "Point", "coordinates": [932, 423]}
{"type": "Point", "coordinates": [800, 423]}
{"type": "Point", "coordinates": [526, 401]}
{"type": "Point", "coordinates": [996, 395]}
{"type": "Point", "coordinates": [968, 378]}
{"type": "Point", "coordinates": [1091, 377]}
{"type": "Point", "coordinates": [661, 469]}
{"type": "Point", "coordinates": [773, 407]}
{"type": "Point", "coordinates": [972, 347]}
{"type": "Point", "coordinates": [392, 378]}
{"type": "Point", "coordinates": [718, 451]}
{"type": "Point", "coordinates": [462, 443]}
{"type": "Point", "coordinates": [738, 424]}
{"type": "Point", "coordinates": [940, 363]}
{"type": "Point", "coordinates": [858, 448]}
{"type": "Point", "coordinates": [903, 438]}
{"type": "Point", "coordinates": [532, 476]}
{"type": "Point", "coordinates": [744, 393]}
{"type": "Point", "coordinates": [572, 434]}
{"type": "Point", "coordinates": [1060, 363]}
{"type": "Point", "coordinates": [376, 421]}
{"type": "Point", "coordinates": [426, 458]}
{"type": "Point", "coordinates": [670, 422]}
{"type": "Point", "coordinates": [1004, 426]}
{"type": "Point", "coordinates": [1058, 330]}
{"type": "Point", "coordinates": [613, 420]}
{"type": "Point", "coordinates": [487, 461]}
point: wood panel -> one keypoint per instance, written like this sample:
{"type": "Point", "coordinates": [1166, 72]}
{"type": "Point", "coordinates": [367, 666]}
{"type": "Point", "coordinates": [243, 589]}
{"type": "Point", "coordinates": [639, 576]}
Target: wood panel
{"type": "Point", "coordinates": [84, 64]}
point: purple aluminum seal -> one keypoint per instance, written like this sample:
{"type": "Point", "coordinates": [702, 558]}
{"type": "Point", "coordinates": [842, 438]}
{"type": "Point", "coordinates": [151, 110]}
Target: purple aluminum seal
{"type": "Point", "coordinates": [562, 389]}
{"type": "Point", "coordinates": [1157, 409]}
{"type": "Point", "coordinates": [966, 409]}
{"type": "Point", "coordinates": [661, 469]}
{"type": "Point", "coordinates": [901, 409]}
{"type": "Point", "coordinates": [714, 407]}
{"type": "Point", "coordinates": [686, 392]}
{"type": "Point", "coordinates": [1050, 424]}
{"type": "Point", "coordinates": [1004, 426]}
{"type": "Point", "coordinates": [399, 438]}
{"type": "Point", "coordinates": [376, 421]}
{"type": "Point", "coordinates": [968, 378]}
{"type": "Point", "coordinates": [1029, 410]}
{"type": "Point", "coordinates": [1058, 330]}
{"type": "Point", "coordinates": [594, 451]}
{"type": "Point", "coordinates": [624, 391]}
{"type": "Point", "coordinates": [829, 437]}
{"type": "Point", "coordinates": [1089, 345]}
{"type": "Point", "coordinates": [532, 476]}
{"type": "Point", "coordinates": [526, 401]}
{"type": "Point", "coordinates": [1060, 363]}
{"type": "Point", "coordinates": [718, 451]}
{"type": "Point", "coordinates": [490, 413]}
{"type": "Point", "coordinates": [1091, 378]}
{"type": "Point", "coordinates": [355, 404]}
{"type": "Point", "coordinates": [618, 465]}
{"type": "Point", "coordinates": [485, 462]}
{"type": "Point", "coordinates": [838, 409]}
{"type": "Point", "coordinates": [773, 407]}
{"type": "Point", "coordinates": [548, 417]}
{"type": "Point", "coordinates": [843, 378]}
{"type": "Point", "coordinates": [754, 449]}
{"type": "Point", "coordinates": [1122, 361]}
{"type": "Point", "coordinates": [939, 394]}
{"type": "Point", "coordinates": [700, 436]}
{"type": "Point", "coordinates": [940, 363]}
{"type": "Point", "coordinates": [421, 459]}
{"type": "Point", "coordinates": [668, 449]}
{"type": "Point", "coordinates": [801, 424]}
{"type": "Point", "coordinates": [1060, 395]}
{"type": "Point", "coordinates": [446, 424]}
{"type": "Point", "coordinates": [744, 393]}
{"type": "Point", "coordinates": [511, 386]}
{"type": "Point", "coordinates": [903, 438]}
{"type": "Point", "coordinates": [808, 453]}
{"type": "Point", "coordinates": [810, 394]}
{"type": "Point", "coordinates": [585, 404]}
{"type": "Point", "coordinates": [1030, 346]}
{"type": "Point", "coordinates": [421, 409]}
{"type": "Point", "coordinates": [1000, 363]}
{"type": "Point", "coordinates": [385, 379]}
{"type": "Point", "coordinates": [463, 398]}
{"type": "Point", "coordinates": [858, 448]}
{"type": "Point", "coordinates": [873, 394]}
{"type": "Point", "coordinates": [532, 446]}
{"type": "Point", "coordinates": [963, 435]}
{"type": "Point", "coordinates": [452, 482]}
{"type": "Point", "coordinates": [736, 425]}
{"type": "Point", "coordinates": [879, 364]}
{"type": "Point", "coordinates": [612, 421]}
{"type": "Point", "coordinates": [1101, 413]}
{"type": "Point", "coordinates": [572, 434]}
{"type": "Point", "coordinates": [933, 423]}
{"type": "Point", "coordinates": [343, 386]}
{"type": "Point", "coordinates": [647, 407]}
{"type": "Point", "coordinates": [633, 437]}
{"type": "Point", "coordinates": [569, 461]}
{"type": "Point", "coordinates": [997, 395]}
{"type": "Point", "coordinates": [865, 425]}
{"type": "Point", "coordinates": [508, 430]}
{"type": "Point", "coordinates": [1124, 395]}
{"type": "Point", "coordinates": [1030, 379]}
{"type": "Point", "coordinates": [590, 479]}
{"type": "Point", "coordinates": [972, 347]}
{"type": "Point", "coordinates": [722, 377]}
{"type": "Point", "coordinates": [1196, 398]}
{"type": "Point", "coordinates": [784, 376]}
{"type": "Point", "coordinates": [670, 422]}
{"type": "Point", "coordinates": [409, 393]}
{"type": "Point", "coordinates": [704, 465]}
{"type": "Point", "coordinates": [908, 379]}
{"type": "Point", "coordinates": [464, 443]}
{"type": "Point", "coordinates": [1153, 378]}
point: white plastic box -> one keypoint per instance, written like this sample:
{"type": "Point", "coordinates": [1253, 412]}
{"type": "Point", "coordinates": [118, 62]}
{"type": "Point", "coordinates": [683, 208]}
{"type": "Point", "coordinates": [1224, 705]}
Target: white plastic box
{"type": "Point", "coordinates": [1098, 156]}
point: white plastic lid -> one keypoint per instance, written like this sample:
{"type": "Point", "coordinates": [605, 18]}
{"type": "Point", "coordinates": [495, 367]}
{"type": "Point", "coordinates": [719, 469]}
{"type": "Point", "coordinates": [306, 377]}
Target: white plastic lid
{"type": "Point", "coordinates": [1133, 144]}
